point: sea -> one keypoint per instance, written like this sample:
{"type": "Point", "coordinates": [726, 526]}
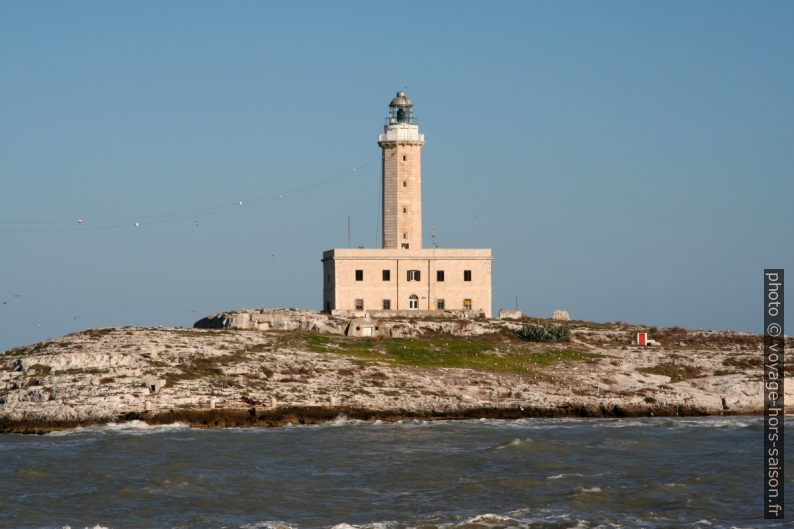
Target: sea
{"type": "Point", "coordinates": [702, 473]}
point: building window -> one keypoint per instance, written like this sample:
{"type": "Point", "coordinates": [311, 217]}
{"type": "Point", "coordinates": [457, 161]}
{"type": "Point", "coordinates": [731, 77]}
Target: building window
{"type": "Point", "coordinates": [440, 304]}
{"type": "Point", "coordinates": [387, 275]}
{"type": "Point", "coordinates": [405, 183]}
{"type": "Point", "coordinates": [414, 275]}
{"type": "Point", "coordinates": [359, 275]}
{"type": "Point", "coordinates": [405, 210]}
{"type": "Point", "coordinates": [440, 276]}
{"type": "Point", "coordinates": [413, 302]}
{"type": "Point", "coordinates": [467, 304]}
{"type": "Point", "coordinates": [467, 275]}
{"type": "Point", "coordinates": [404, 246]}
{"type": "Point", "coordinates": [386, 304]}
{"type": "Point", "coordinates": [405, 157]}
{"type": "Point", "coordinates": [359, 304]}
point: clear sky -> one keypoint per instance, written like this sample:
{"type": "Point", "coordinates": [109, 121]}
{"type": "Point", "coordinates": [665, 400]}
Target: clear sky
{"type": "Point", "coordinates": [625, 160]}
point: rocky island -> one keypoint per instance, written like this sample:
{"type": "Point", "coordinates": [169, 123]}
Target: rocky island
{"type": "Point", "coordinates": [269, 367]}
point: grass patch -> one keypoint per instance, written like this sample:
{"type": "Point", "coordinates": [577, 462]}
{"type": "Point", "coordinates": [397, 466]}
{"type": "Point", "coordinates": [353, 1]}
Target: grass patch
{"type": "Point", "coordinates": [676, 372]}
{"type": "Point", "coordinates": [447, 351]}
{"type": "Point", "coordinates": [96, 334]}
{"type": "Point", "coordinates": [76, 371]}
{"type": "Point", "coordinates": [204, 366]}
{"type": "Point", "coordinates": [752, 363]}
{"type": "Point", "coordinates": [41, 370]}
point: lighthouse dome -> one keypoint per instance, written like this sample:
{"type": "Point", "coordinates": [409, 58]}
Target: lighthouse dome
{"type": "Point", "coordinates": [400, 100]}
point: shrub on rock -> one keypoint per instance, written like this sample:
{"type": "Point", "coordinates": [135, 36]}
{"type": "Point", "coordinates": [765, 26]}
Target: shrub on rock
{"type": "Point", "coordinates": [544, 333]}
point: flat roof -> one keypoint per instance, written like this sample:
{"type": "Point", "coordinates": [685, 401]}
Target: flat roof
{"type": "Point", "coordinates": [396, 253]}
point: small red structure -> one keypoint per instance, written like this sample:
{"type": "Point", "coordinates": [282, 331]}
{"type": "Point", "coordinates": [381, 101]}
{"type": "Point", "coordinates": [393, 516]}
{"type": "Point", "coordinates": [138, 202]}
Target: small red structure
{"type": "Point", "coordinates": [642, 338]}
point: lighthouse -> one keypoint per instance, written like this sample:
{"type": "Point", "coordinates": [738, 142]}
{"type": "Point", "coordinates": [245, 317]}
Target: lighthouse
{"type": "Point", "coordinates": [401, 145]}
{"type": "Point", "coordinates": [402, 278]}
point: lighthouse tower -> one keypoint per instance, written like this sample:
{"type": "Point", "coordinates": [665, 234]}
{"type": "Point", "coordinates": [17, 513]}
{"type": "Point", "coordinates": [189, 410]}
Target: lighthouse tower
{"type": "Point", "coordinates": [401, 146]}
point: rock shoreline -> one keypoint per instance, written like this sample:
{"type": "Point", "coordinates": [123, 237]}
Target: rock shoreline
{"type": "Point", "coordinates": [280, 417]}
{"type": "Point", "coordinates": [300, 367]}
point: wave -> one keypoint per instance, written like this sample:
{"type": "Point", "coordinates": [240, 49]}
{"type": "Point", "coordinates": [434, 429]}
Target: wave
{"type": "Point", "coordinates": [130, 427]}
{"type": "Point", "coordinates": [267, 524]}
{"type": "Point", "coordinates": [514, 443]}
{"type": "Point", "coordinates": [520, 519]}
{"type": "Point", "coordinates": [138, 427]}
{"type": "Point", "coordinates": [563, 475]}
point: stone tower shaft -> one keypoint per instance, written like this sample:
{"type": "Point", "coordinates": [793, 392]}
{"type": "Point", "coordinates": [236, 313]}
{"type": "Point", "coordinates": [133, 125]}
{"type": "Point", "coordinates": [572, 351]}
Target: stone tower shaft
{"type": "Point", "coordinates": [401, 146]}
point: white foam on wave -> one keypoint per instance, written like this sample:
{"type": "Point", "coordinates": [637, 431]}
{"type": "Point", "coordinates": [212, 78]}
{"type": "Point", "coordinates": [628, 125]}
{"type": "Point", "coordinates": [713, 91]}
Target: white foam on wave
{"type": "Point", "coordinates": [515, 442]}
{"type": "Point", "coordinates": [560, 476]}
{"type": "Point", "coordinates": [373, 525]}
{"type": "Point", "coordinates": [339, 420]}
{"type": "Point", "coordinates": [485, 520]}
{"type": "Point", "coordinates": [268, 524]}
{"type": "Point", "coordinates": [672, 422]}
{"type": "Point", "coordinates": [716, 422]}
{"type": "Point", "coordinates": [524, 518]}
{"type": "Point", "coordinates": [130, 427]}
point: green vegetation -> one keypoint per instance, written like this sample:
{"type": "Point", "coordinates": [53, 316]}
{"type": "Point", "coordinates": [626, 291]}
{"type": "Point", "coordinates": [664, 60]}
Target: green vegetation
{"type": "Point", "coordinates": [95, 334]}
{"type": "Point", "coordinates": [446, 351]}
{"type": "Point", "coordinates": [41, 370]}
{"type": "Point", "coordinates": [533, 332]}
{"type": "Point", "coordinates": [676, 372]}
{"type": "Point", "coordinates": [203, 366]}
{"type": "Point", "coordinates": [76, 371]}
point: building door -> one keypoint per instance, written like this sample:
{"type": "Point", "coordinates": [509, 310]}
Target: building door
{"type": "Point", "coordinates": [467, 304]}
{"type": "Point", "coordinates": [413, 302]}
{"type": "Point", "coordinates": [366, 331]}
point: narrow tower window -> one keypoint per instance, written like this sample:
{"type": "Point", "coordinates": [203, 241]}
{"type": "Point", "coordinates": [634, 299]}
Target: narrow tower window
{"type": "Point", "coordinates": [405, 157]}
{"type": "Point", "coordinates": [405, 183]}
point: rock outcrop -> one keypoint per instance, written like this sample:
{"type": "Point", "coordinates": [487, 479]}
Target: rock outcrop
{"type": "Point", "coordinates": [310, 321]}
{"type": "Point", "coordinates": [269, 361]}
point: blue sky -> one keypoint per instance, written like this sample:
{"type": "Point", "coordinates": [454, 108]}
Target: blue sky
{"type": "Point", "coordinates": [625, 161]}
